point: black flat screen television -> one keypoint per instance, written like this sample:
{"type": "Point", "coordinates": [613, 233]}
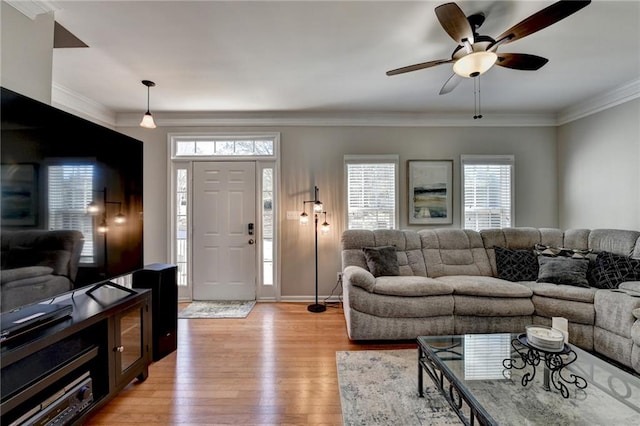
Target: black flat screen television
{"type": "Point", "coordinates": [54, 165]}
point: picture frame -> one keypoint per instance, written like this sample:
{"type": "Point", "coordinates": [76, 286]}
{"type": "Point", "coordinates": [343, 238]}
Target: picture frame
{"type": "Point", "coordinates": [430, 192]}
{"type": "Point", "coordinates": [19, 199]}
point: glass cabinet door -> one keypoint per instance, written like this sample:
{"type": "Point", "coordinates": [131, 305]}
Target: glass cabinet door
{"type": "Point", "coordinates": [129, 343]}
{"type": "Point", "coordinates": [130, 339]}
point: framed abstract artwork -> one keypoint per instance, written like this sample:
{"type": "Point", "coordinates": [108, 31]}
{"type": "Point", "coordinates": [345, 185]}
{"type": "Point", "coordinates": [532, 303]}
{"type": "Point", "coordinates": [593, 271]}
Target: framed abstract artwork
{"type": "Point", "coordinates": [19, 195]}
{"type": "Point", "coordinates": [430, 192]}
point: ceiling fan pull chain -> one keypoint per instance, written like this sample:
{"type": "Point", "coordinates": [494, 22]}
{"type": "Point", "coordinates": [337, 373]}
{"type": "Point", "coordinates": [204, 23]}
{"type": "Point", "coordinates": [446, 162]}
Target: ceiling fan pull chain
{"type": "Point", "coordinates": [479, 99]}
{"type": "Point", "coordinates": [475, 98]}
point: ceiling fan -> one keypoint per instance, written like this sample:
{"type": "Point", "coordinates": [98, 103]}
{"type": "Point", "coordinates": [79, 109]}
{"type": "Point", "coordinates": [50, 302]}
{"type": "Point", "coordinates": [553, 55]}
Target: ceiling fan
{"type": "Point", "coordinates": [476, 53]}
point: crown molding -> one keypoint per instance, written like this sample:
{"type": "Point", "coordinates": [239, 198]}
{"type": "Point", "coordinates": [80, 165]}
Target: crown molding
{"type": "Point", "coordinates": [32, 8]}
{"type": "Point", "coordinates": [350, 119]}
{"type": "Point", "coordinates": [617, 96]}
{"type": "Point", "coordinates": [76, 104]}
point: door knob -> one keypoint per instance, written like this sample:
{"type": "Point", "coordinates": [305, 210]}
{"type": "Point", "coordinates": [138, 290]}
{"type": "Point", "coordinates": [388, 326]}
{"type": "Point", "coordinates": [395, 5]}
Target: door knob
{"type": "Point", "coordinates": [251, 241]}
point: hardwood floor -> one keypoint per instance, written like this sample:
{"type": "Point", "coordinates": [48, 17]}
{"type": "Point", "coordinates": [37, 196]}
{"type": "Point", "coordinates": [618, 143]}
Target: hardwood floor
{"type": "Point", "coordinates": [275, 367]}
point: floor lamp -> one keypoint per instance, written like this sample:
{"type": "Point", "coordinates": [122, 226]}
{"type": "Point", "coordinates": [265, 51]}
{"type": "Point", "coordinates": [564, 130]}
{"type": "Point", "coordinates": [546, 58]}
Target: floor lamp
{"type": "Point", "coordinates": [318, 209]}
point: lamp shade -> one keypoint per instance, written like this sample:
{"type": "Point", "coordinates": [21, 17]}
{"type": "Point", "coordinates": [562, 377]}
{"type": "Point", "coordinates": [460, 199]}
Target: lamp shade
{"type": "Point", "coordinates": [119, 219]}
{"type": "Point", "coordinates": [103, 228]}
{"type": "Point", "coordinates": [92, 208]}
{"type": "Point", "coordinates": [474, 64]}
{"type": "Point", "coordinates": [147, 121]}
{"type": "Point", "coordinates": [325, 227]}
{"type": "Point", "coordinates": [304, 218]}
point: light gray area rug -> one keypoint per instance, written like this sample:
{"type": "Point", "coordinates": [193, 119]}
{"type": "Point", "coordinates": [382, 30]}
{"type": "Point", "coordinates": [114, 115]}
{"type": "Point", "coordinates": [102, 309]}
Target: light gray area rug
{"type": "Point", "coordinates": [218, 309]}
{"type": "Point", "coordinates": [380, 388]}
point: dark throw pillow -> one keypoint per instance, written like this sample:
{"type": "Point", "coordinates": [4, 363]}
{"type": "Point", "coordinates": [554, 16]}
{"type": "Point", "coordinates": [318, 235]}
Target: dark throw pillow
{"type": "Point", "coordinates": [563, 270]}
{"type": "Point", "coordinates": [612, 269]}
{"type": "Point", "coordinates": [382, 261]}
{"type": "Point", "coordinates": [542, 250]}
{"type": "Point", "coordinates": [516, 265]}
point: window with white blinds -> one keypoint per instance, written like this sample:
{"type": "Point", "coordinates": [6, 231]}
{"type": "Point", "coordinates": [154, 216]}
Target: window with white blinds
{"type": "Point", "coordinates": [70, 190]}
{"type": "Point", "coordinates": [372, 184]}
{"type": "Point", "coordinates": [487, 184]}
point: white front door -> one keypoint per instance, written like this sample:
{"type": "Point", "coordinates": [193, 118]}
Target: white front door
{"type": "Point", "coordinates": [224, 252]}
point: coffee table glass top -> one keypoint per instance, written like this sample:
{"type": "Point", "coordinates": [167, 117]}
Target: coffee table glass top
{"type": "Point", "coordinates": [473, 365]}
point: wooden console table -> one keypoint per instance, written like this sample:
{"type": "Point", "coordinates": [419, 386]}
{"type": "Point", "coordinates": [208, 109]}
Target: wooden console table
{"type": "Point", "coordinates": [106, 338]}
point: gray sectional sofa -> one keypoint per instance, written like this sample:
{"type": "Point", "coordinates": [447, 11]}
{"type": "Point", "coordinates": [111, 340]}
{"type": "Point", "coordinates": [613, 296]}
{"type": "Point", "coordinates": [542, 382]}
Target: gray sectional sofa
{"type": "Point", "coordinates": [447, 281]}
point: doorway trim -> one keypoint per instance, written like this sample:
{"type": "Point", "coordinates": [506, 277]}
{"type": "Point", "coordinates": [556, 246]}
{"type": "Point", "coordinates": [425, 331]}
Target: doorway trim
{"type": "Point", "coordinates": [265, 161]}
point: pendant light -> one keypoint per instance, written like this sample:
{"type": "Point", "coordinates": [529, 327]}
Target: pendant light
{"type": "Point", "coordinates": [147, 121]}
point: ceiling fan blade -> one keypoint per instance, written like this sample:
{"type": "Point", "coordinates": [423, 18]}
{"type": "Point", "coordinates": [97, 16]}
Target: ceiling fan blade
{"type": "Point", "coordinates": [419, 66]}
{"type": "Point", "coordinates": [521, 61]}
{"type": "Point", "coordinates": [450, 84]}
{"type": "Point", "coordinates": [454, 22]}
{"type": "Point", "coordinates": [542, 19]}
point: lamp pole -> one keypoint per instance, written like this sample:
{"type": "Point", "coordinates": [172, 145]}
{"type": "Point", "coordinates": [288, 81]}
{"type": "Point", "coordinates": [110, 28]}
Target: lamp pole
{"type": "Point", "coordinates": [316, 307]}
{"type": "Point", "coordinates": [318, 209]}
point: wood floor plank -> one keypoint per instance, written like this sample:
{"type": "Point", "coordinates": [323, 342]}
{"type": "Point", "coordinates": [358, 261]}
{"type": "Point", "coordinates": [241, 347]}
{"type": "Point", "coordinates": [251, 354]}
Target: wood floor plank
{"type": "Point", "coordinates": [275, 367]}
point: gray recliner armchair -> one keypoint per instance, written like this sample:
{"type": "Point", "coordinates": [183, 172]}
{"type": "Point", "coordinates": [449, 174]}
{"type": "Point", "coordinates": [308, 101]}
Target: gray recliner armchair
{"type": "Point", "coordinates": [37, 264]}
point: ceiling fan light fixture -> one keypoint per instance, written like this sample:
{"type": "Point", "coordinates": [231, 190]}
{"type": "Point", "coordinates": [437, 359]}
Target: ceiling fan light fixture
{"type": "Point", "coordinates": [475, 64]}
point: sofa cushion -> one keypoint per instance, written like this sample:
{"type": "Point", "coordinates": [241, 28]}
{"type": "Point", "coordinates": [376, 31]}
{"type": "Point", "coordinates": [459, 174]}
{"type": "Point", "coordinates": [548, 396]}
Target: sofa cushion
{"type": "Point", "coordinates": [516, 265]}
{"type": "Point", "coordinates": [575, 312]}
{"type": "Point", "coordinates": [26, 256]}
{"type": "Point", "coordinates": [399, 306]}
{"type": "Point", "coordinates": [407, 244]}
{"type": "Point", "coordinates": [562, 292]}
{"type": "Point", "coordinates": [491, 306]}
{"type": "Point", "coordinates": [485, 287]}
{"type": "Point", "coordinates": [613, 240]}
{"type": "Point", "coordinates": [411, 286]}
{"type": "Point", "coordinates": [7, 275]}
{"type": "Point", "coordinates": [630, 285]}
{"type": "Point", "coordinates": [576, 238]}
{"type": "Point", "coordinates": [610, 270]}
{"type": "Point", "coordinates": [521, 238]}
{"type": "Point", "coordinates": [563, 270]}
{"type": "Point", "coordinates": [614, 310]}
{"type": "Point", "coordinates": [454, 252]}
{"type": "Point", "coordinates": [382, 261]}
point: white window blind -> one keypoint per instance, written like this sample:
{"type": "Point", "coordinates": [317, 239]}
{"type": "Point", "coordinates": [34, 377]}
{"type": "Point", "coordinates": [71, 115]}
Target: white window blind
{"type": "Point", "coordinates": [70, 191]}
{"type": "Point", "coordinates": [371, 194]}
{"type": "Point", "coordinates": [488, 192]}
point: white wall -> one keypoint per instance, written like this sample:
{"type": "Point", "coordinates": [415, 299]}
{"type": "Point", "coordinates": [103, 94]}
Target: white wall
{"type": "Point", "coordinates": [599, 169]}
{"type": "Point", "coordinates": [27, 53]}
{"type": "Point", "coordinates": [314, 156]}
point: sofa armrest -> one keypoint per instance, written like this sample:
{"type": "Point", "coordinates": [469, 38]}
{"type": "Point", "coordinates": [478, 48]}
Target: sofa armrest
{"type": "Point", "coordinates": [359, 277]}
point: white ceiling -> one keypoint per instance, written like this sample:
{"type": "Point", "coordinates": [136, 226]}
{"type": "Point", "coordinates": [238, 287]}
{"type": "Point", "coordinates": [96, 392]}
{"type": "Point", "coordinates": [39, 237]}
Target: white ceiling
{"type": "Point", "coordinates": [331, 56]}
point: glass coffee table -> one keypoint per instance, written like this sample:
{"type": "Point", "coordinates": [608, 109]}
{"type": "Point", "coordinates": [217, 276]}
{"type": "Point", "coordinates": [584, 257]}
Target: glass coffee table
{"type": "Point", "coordinates": [487, 380]}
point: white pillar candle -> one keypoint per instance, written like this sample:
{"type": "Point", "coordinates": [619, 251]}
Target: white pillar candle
{"type": "Point", "coordinates": [561, 324]}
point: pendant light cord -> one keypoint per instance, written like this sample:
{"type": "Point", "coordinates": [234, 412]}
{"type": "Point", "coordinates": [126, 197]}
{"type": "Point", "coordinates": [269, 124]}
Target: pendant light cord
{"type": "Point", "coordinates": [148, 99]}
